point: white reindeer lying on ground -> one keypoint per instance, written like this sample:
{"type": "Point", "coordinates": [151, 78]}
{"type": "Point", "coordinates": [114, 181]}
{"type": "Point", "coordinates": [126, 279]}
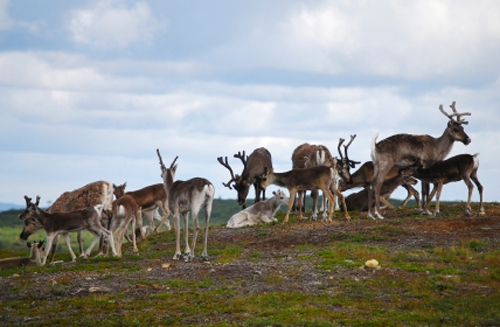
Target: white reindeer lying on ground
{"type": "Point", "coordinates": [260, 212]}
{"type": "Point", "coordinates": [35, 259]}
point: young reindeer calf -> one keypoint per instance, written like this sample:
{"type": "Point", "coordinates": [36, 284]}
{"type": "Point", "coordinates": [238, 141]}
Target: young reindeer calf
{"type": "Point", "coordinates": [461, 167]}
{"type": "Point", "coordinates": [35, 259]}
{"type": "Point", "coordinates": [260, 212]}
{"type": "Point", "coordinates": [57, 224]}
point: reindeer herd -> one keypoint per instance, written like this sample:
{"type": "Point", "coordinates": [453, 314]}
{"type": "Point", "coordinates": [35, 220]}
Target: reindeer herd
{"type": "Point", "coordinates": [398, 160]}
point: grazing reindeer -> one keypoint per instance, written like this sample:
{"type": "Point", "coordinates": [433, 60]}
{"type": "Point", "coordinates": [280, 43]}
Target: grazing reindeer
{"type": "Point", "coordinates": [359, 201]}
{"type": "Point", "coordinates": [461, 167]}
{"type": "Point", "coordinates": [303, 179]}
{"type": "Point", "coordinates": [405, 150]}
{"type": "Point", "coordinates": [260, 212]}
{"type": "Point", "coordinates": [185, 197]}
{"type": "Point", "coordinates": [149, 199]}
{"type": "Point", "coordinates": [124, 212]}
{"type": "Point", "coordinates": [35, 258]}
{"type": "Point", "coordinates": [59, 223]}
{"type": "Point", "coordinates": [253, 166]}
{"type": "Point", "coordinates": [364, 176]}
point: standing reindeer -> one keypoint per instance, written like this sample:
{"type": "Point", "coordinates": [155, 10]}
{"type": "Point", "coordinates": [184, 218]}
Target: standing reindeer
{"type": "Point", "coordinates": [406, 149]}
{"type": "Point", "coordinates": [461, 167]}
{"type": "Point", "coordinates": [253, 166]}
{"type": "Point", "coordinates": [184, 197]}
{"type": "Point", "coordinates": [307, 156]}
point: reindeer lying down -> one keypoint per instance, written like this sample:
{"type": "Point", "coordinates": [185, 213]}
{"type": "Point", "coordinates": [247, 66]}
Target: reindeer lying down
{"type": "Point", "coordinates": [260, 212]}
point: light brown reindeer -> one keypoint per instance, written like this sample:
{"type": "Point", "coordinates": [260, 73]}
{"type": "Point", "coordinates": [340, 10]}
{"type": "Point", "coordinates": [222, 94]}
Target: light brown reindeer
{"type": "Point", "coordinates": [307, 155]}
{"type": "Point", "coordinates": [303, 179]}
{"type": "Point", "coordinates": [461, 167]}
{"type": "Point", "coordinates": [125, 212]}
{"type": "Point", "coordinates": [149, 199]}
{"type": "Point", "coordinates": [186, 197]}
{"type": "Point", "coordinates": [35, 258]}
{"type": "Point", "coordinates": [253, 166]}
{"type": "Point", "coordinates": [406, 149]}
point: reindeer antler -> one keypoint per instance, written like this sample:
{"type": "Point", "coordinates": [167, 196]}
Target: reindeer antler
{"type": "Point", "coordinates": [241, 156]}
{"type": "Point", "coordinates": [161, 161]}
{"type": "Point", "coordinates": [226, 164]}
{"type": "Point", "coordinates": [173, 162]}
{"type": "Point", "coordinates": [459, 119]}
{"type": "Point", "coordinates": [352, 163]}
{"type": "Point", "coordinates": [341, 140]}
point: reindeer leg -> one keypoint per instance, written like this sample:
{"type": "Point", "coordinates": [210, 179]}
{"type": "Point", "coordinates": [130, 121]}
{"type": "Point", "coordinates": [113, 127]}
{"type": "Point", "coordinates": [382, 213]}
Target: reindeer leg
{"type": "Point", "coordinates": [194, 215]}
{"type": "Point", "coordinates": [344, 205]}
{"type": "Point", "coordinates": [290, 202]}
{"type": "Point", "coordinates": [187, 250]}
{"type": "Point", "coordinates": [470, 187]}
{"type": "Point", "coordinates": [429, 199]}
{"type": "Point", "coordinates": [134, 237]}
{"type": "Point", "coordinates": [208, 212]}
{"type": "Point", "coordinates": [48, 247]}
{"type": "Point", "coordinates": [177, 228]}
{"type": "Point", "coordinates": [68, 245]}
{"type": "Point", "coordinates": [438, 196]}
{"type": "Point", "coordinates": [314, 195]}
{"type": "Point", "coordinates": [480, 190]}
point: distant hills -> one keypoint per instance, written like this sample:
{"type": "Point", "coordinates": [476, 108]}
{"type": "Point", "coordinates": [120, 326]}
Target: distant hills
{"type": "Point", "coordinates": [9, 206]}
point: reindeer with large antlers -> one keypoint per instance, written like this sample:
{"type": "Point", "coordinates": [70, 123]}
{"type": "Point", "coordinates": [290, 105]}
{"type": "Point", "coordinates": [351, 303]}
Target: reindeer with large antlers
{"type": "Point", "coordinates": [405, 150]}
{"type": "Point", "coordinates": [184, 197]}
{"type": "Point", "coordinates": [253, 167]}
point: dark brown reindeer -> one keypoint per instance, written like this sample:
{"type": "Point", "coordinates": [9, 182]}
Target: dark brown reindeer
{"type": "Point", "coordinates": [363, 178]}
{"type": "Point", "coordinates": [406, 149]}
{"type": "Point", "coordinates": [461, 167]}
{"type": "Point", "coordinates": [186, 197]}
{"type": "Point", "coordinates": [359, 201]}
{"type": "Point", "coordinates": [60, 223]}
{"type": "Point", "coordinates": [253, 166]}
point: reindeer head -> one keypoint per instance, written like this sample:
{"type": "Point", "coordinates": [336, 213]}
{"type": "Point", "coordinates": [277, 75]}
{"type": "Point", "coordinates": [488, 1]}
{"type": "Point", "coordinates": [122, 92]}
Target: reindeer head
{"type": "Point", "coordinates": [266, 178]}
{"type": "Point", "coordinates": [119, 190]}
{"type": "Point", "coordinates": [30, 211]}
{"type": "Point", "coordinates": [167, 174]}
{"type": "Point", "coordinates": [240, 183]}
{"type": "Point", "coordinates": [280, 197]}
{"type": "Point", "coordinates": [455, 129]}
{"type": "Point", "coordinates": [345, 164]}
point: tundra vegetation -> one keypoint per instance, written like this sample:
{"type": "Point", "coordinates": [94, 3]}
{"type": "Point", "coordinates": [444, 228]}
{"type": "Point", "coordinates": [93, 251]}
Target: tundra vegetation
{"type": "Point", "coordinates": [433, 272]}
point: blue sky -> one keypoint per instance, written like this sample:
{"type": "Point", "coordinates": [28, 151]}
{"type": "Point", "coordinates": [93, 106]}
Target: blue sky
{"type": "Point", "coordinates": [89, 89]}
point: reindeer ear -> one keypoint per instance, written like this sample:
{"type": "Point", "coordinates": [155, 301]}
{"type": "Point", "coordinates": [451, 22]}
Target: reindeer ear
{"type": "Point", "coordinates": [28, 244]}
{"type": "Point", "coordinates": [40, 244]}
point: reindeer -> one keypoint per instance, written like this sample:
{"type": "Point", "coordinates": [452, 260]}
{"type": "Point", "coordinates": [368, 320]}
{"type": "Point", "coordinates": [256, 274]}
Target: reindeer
{"type": "Point", "coordinates": [359, 201]}
{"type": "Point", "coordinates": [90, 195]}
{"type": "Point", "coordinates": [364, 176]}
{"type": "Point", "coordinates": [253, 166]}
{"type": "Point", "coordinates": [263, 211]}
{"type": "Point", "coordinates": [35, 258]}
{"type": "Point", "coordinates": [57, 224]}
{"type": "Point", "coordinates": [405, 150]}
{"type": "Point", "coordinates": [124, 212]}
{"type": "Point", "coordinates": [303, 179]}
{"type": "Point", "coordinates": [149, 199]}
{"type": "Point", "coordinates": [461, 167]}
{"type": "Point", "coordinates": [306, 156]}
{"type": "Point", "coordinates": [185, 197]}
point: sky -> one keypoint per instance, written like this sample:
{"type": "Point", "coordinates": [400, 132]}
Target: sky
{"type": "Point", "coordinates": [90, 89]}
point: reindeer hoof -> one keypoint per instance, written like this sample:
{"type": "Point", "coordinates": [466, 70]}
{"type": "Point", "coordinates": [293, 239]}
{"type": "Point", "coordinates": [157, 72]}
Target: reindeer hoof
{"type": "Point", "coordinates": [177, 256]}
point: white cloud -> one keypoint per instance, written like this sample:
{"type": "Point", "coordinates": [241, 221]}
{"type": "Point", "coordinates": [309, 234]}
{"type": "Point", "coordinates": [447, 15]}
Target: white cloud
{"type": "Point", "coordinates": [109, 23]}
